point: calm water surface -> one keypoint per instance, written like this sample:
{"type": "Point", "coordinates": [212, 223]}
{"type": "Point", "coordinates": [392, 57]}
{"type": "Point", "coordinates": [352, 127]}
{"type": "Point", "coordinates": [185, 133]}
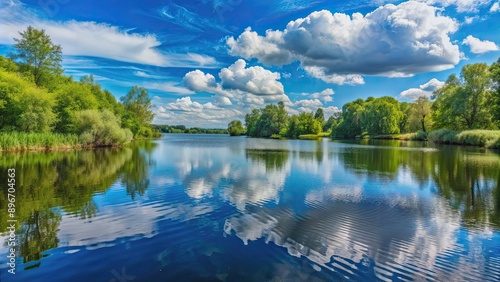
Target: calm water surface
{"type": "Point", "coordinates": [215, 208]}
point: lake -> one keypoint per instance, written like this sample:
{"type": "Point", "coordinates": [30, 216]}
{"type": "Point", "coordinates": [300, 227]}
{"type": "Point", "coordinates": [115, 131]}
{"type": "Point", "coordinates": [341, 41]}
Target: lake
{"type": "Point", "coordinates": [219, 208]}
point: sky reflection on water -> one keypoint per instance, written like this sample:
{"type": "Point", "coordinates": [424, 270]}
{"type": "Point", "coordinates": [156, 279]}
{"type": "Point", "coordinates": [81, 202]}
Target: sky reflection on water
{"type": "Point", "coordinates": [189, 207]}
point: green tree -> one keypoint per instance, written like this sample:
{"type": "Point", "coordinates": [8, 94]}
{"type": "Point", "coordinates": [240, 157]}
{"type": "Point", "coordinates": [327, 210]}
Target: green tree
{"type": "Point", "coordinates": [404, 107]}
{"type": "Point", "coordinates": [138, 111]}
{"type": "Point", "coordinates": [36, 51]}
{"type": "Point", "coordinates": [71, 98]}
{"type": "Point", "coordinates": [419, 114]}
{"type": "Point", "coordinates": [381, 116]}
{"type": "Point", "coordinates": [319, 115]}
{"type": "Point", "coordinates": [305, 124]}
{"type": "Point", "coordinates": [495, 95]}
{"type": "Point", "coordinates": [350, 125]}
{"type": "Point", "coordinates": [235, 128]}
{"type": "Point", "coordinates": [464, 103]}
{"type": "Point", "coordinates": [23, 106]}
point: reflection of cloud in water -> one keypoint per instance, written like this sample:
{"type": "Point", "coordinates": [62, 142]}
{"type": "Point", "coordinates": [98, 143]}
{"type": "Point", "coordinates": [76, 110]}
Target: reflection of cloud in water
{"type": "Point", "coordinates": [133, 221]}
{"type": "Point", "coordinates": [248, 181]}
{"type": "Point", "coordinates": [255, 184]}
{"type": "Point", "coordinates": [349, 235]}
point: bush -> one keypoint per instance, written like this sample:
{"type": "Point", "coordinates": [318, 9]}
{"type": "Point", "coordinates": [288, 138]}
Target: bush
{"type": "Point", "coordinates": [483, 138]}
{"type": "Point", "coordinates": [420, 135]}
{"type": "Point", "coordinates": [443, 136]}
{"type": "Point", "coordinates": [100, 128]}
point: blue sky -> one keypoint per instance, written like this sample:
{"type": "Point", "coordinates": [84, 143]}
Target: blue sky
{"type": "Point", "coordinates": [207, 62]}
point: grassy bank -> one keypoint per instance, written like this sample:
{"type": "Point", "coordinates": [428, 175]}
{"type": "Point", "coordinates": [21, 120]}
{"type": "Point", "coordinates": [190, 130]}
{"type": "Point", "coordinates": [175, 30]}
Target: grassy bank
{"type": "Point", "coordinates": [482, 138]}
{"type": "Point", "coordinates": [419, 136]}
{"type": "Point", "coordinates": [20, 141]}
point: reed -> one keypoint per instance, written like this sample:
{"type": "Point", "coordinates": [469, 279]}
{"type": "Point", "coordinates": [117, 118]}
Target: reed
{"type": "Point", "coordinates": [21, 141]}
{"type": "Point", "coordinates": [477, 137]}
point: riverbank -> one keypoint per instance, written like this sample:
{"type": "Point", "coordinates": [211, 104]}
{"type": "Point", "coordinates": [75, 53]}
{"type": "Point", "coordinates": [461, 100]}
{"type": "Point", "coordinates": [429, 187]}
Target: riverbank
{"type": "Point", "coordinates": [21, 141]}
{"type": "Point", "coordinates": [482, 138]}
{"type": "Point", "coordinates": [415, 136]}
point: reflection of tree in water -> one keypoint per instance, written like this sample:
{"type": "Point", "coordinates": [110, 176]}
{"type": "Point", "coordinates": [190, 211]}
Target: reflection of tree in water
{"type": "Point", "coordinates": [468, 178]}
{"type": "Point", "coordinates": [53, 183]}
{"type": "Point", "coordinates": [135, 172]}
{"type": "Point", "coordinates": [38, 234]}
{"type": "Point", "coordinates": [273, 159]}
{"type": "Point", "coordinates": [470, 182]}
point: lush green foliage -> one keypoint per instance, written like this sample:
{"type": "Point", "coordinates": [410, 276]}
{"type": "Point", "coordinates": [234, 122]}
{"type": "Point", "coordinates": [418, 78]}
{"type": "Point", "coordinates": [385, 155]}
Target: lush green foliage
{"type": "Point", "coordinates": [100, 128]}
{"type": "Point", "coordinates": [273, 121]}
{"type": "Point", "coordinates": [23, 106]}
{"type": "Point", "coordinates": [268, 121]}
{"type": "Point", "coordinates": [138, 112]}
{"type": "Point", "coordinates": [36, 98]}
{"type": "Point", "coordinates": [477, 137]}
{"type": "Point", "coordinates": [465, 103]}
{"type": "Point", "coordinates": [37, 54]}
{"type": "Point", "coordinates": [235, 128]}
{"type": "Point", "coordinates": [375, 116]}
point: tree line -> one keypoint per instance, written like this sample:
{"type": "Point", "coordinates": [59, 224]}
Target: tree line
{"type": "Point", "coordinates": [193, 130]}
{"type": "Point", "coordinates": [274, 121]}
{"type": "Point", "coordinates": [35, 97]}
{"type": "Point", "coordinates": [470, 101]}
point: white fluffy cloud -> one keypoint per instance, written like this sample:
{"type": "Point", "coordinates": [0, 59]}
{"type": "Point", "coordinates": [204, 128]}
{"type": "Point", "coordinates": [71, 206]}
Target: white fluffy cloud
{"type": "Point", "coordinates": [313, 103]}
{"type": "Point", "coordinates": [325, 95]}
{"type": "Point", "coordinates": [255, 80]}
{"type": "Point", "coordinates": [478, 46]}
{"type": "Point", "coordinates": [495, 7]}
{"type": "Point", "coordinates": [191, 113]}
{"type": "Point", "coordinates": [321, 73]}
{"type": "Point", "coordinates": [95, 39]}
{"type": "Point", "coordinates": [462, 6]}
{"type": "Point", "coordinates": [252, 86]}
{"type": "Point", "coordinates": [400, 40]}
{"type": "Point", "coordinates": [424, 90]}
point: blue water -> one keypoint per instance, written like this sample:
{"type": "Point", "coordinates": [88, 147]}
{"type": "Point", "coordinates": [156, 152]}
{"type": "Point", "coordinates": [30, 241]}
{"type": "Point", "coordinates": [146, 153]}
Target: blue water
{"type": "Point", "coordinates": [218, 208]}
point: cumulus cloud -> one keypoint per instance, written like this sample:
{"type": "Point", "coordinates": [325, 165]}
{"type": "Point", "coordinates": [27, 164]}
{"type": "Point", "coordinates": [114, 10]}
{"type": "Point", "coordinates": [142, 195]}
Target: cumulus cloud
{"type": "Point", "coordinates": [321, 73]}
{"type": "Point", "coordinates": [94, 39]}
{"type": "Point", "coordinates": [255, 80]}
{"type": "Point", "coordinates": [311, 104]}
{"type": "Point", "coordinates": [252, 86]}
{"type": "Point", "coordinates": [495, 7]}
{"type": "Point", "coordinates": [478, 46]}
{"type": "Point", "coordinates": [400, 40]}
{"type": "Point", "coordinates": [325, 95]}
{"type": "Point", "coordinates": [469, 20]}
{"type": "Point", "coordinates": [266, 48]}
{"type": "Point", "coordinates": [424, 90]}
{"type": "Point", "coordinates": [192, 113]}
{"type": "Point", "coordinates": [331, 111]}
{"type": "Point", "coordinates": [461, 6]}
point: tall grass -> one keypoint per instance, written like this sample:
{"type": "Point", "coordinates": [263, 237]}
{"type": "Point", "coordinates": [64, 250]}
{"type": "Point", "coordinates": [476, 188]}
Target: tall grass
{"type": "Point", "coordinates": [21, 141]}
{"type": "Point", "coordinates": [483, 138]}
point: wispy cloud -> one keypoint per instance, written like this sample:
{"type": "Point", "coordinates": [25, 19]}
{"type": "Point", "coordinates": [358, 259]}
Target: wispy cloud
{"type": "Point", "coordinates": [187, 19]}
{"type": "Point", "coordinates": [94, 39]}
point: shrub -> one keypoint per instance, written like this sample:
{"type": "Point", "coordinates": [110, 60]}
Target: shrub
{"type": "Point", "coordinates": [100, 128]}
{"type": "Point", "coordinates": [420, 135]}
{"type": "Point", "coordinates": [483, 138]}
{"type": "Point", "coordinates": [443, 136]}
